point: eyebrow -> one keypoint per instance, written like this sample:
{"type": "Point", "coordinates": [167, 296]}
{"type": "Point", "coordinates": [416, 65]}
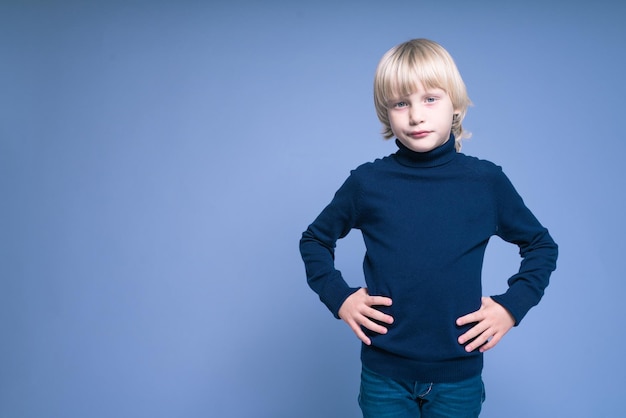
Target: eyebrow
{"type": "Point", "coordinates": [394, 101]}
{"type": "Point", "coordinates": [434, 91]}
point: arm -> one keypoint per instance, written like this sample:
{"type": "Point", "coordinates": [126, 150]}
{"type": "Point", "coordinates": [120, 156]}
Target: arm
{"type": "Point", "coordinates": [318, 242]}
{"type": "Point", "coordinates": [353, 305]}
{"type": "Point", "coordinates": [499, 313]}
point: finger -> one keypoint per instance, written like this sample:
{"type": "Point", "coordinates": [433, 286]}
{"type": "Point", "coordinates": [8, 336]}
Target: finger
{"type": "Point", "coordinates": [379, 316]}
{"type": "Point", "coordinates": [356, 328]}
{"type": "Point", "coordinates": [481, 343]}
{"type": "Point", "coordinates": [361, 335]}
{"type": "Point", "coordinates": [488, 346]}
{"type": "Point", "coordinates": [477, 343]}
{"type": "Point", "coordinates": [364, 321]}
{"type": "Point", "coordinates": [469, 318]}
{"type": "Point", "coordinates": [379, 300]}
{"type": "Point", "coordinates": [472, 333]}
{"type": "Point", "coordinates": [491, 343]}
{"type": "Point", "coordinates": [375, 327]}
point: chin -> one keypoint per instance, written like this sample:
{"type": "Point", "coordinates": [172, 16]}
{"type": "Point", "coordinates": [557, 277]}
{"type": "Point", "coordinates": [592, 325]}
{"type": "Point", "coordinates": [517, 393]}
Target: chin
{"type": "Point", "coordinates": [423, 147]}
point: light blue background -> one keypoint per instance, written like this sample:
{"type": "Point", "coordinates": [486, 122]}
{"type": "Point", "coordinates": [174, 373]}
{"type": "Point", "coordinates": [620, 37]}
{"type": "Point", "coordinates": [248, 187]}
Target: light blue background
{"type": "Point", "coordinates": [159, 161]}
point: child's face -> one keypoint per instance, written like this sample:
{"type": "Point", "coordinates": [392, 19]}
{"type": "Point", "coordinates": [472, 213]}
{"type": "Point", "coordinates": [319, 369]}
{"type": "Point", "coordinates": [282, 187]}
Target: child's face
{"type": "Point", "coordinates": [422, 120]}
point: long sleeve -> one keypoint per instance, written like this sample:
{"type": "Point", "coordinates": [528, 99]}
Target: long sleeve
{"type": "Point", "coordinates": [516, 224]}
{"type": "Point", "coordinates": [318, 242]}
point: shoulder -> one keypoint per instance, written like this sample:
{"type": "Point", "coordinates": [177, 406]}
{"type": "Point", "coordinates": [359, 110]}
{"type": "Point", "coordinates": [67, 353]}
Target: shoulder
{"type": "Point", "coordinates": [480, 167]}
{"type": "Point", "coordinates": [361, 176]}
{"type": "Point", "coordinates": [492, 175]}
{"type": "Point", "coordinates": [371, 168]}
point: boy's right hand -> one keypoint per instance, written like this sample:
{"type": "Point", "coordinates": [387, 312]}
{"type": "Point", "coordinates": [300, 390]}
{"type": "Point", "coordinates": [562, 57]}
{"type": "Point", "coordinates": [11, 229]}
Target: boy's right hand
{"type": "Point", "coordinates": [357, 311]}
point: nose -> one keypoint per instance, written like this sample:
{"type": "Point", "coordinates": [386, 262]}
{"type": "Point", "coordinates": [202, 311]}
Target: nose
{"type": "Point", "coordinates": [415, 115]}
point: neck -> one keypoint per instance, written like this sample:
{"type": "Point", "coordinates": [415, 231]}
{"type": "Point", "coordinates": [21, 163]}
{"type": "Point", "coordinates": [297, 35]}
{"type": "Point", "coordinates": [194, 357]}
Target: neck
{"type": "Point", "coordinates": [438, 156]}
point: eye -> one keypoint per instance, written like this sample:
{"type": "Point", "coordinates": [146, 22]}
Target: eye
{"type": "Point", "coordinates": [400, 105]}
{"type": "Point", "coordinates": [431, 99]}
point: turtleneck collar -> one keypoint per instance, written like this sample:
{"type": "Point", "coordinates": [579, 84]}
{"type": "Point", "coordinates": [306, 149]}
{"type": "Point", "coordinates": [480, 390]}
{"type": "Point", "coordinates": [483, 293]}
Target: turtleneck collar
{"type": "Point", "coordinates": [438, 156]}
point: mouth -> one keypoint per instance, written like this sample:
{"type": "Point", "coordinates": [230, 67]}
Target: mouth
{"type": "Point", "coordinates": [418, 134]}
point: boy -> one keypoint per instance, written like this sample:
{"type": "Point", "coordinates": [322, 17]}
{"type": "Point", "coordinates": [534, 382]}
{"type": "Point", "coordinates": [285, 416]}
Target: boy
{"type": "Point", "coordinates": [426, 213]}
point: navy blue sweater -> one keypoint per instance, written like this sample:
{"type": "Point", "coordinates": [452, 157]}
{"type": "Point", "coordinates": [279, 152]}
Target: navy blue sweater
{"type": "Point", "coordinates": [426, 219]}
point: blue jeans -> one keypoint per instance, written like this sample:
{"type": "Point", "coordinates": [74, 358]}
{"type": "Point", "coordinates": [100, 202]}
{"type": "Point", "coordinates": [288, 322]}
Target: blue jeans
{"type": "Point", "coordinates": [383, 397]}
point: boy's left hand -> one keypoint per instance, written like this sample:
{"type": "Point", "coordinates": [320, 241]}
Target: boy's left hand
{"type": "Point", "coordinates": [492, 322]}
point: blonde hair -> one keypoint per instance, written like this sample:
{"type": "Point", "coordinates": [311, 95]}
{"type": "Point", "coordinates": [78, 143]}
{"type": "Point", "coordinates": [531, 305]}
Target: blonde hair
{"type": "Point", "coordinates": [425, 61]}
